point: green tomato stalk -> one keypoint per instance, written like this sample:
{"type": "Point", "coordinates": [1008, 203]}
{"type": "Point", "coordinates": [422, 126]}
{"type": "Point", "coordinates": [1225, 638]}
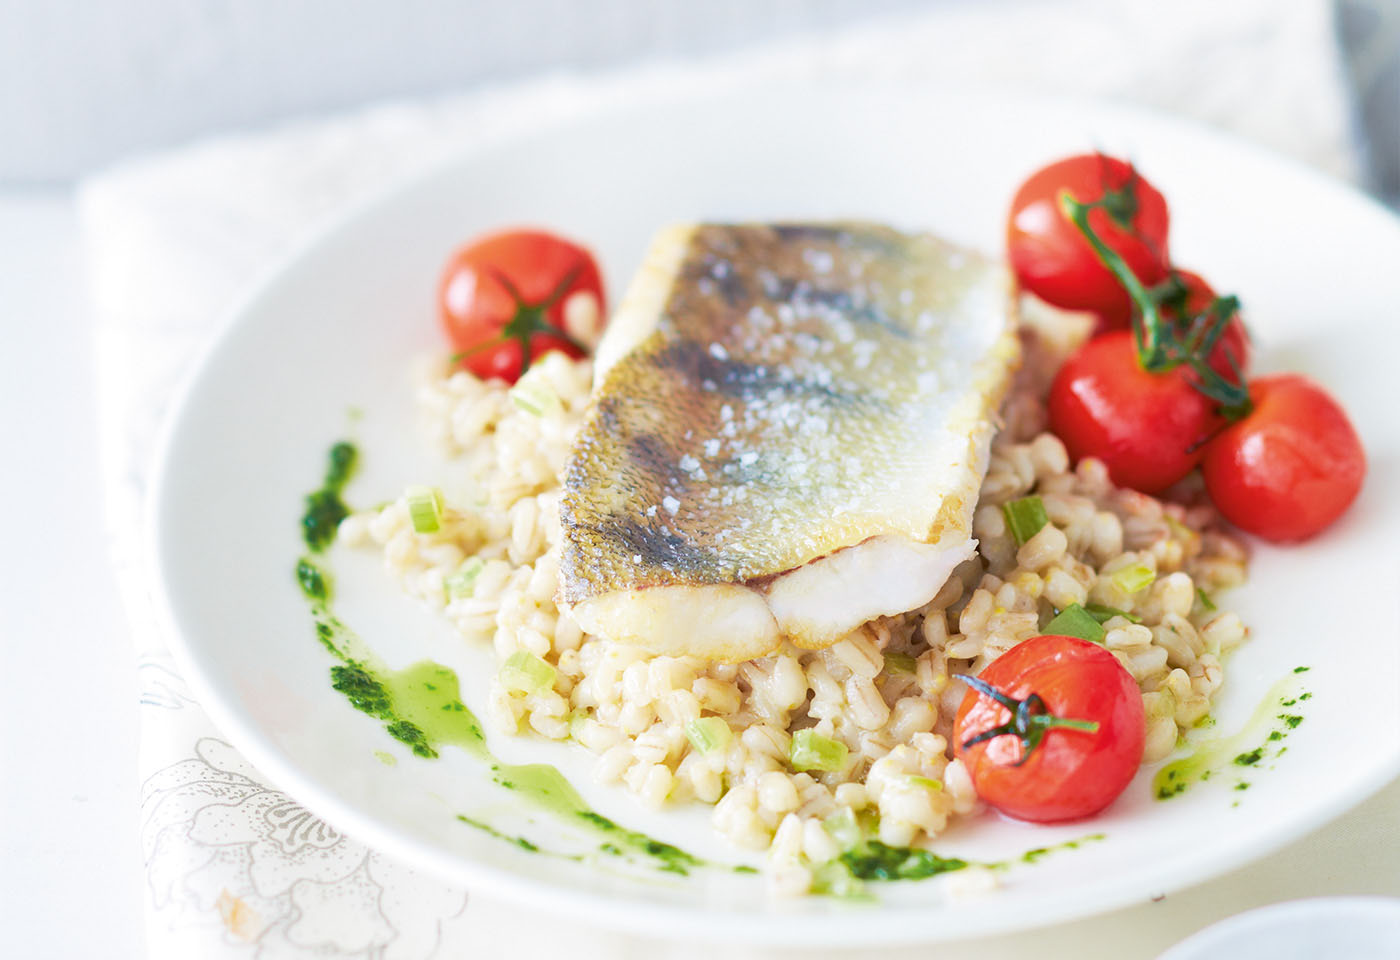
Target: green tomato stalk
{"type": "Point", "coordinates": [1030, 718]}
{"type": "Point", "coordinates": [1160, 346]}
{"type": "Point", "coordinates": [529, 319]}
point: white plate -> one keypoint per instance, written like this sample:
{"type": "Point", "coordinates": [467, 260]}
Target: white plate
{"type": "Point", "coordinates": [1326, 928]}
{"type": "Point", "coordinates": [337, 327]}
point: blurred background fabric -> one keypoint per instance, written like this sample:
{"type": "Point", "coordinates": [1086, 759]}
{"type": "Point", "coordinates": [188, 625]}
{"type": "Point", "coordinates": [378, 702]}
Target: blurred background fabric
{"type": "Point", "coordinates": [120, 77]}
{"type": "Point", "coordinates": [1370, 36]}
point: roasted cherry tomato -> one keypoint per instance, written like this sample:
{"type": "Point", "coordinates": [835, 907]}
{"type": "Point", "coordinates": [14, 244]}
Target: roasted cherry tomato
{"type": "Point", "coordinates": [1233, 343]}
{"type": "Point", "coordinates": [503, 300]}
{"type": "Point", "coordinates": [1063, 736]}
{"type": "Point", "coordinates": [1052, 259]}
{"type": "Point", "coordinates": [1149, 429]}
{"type": "Point", "coordinates": [1289, 468]}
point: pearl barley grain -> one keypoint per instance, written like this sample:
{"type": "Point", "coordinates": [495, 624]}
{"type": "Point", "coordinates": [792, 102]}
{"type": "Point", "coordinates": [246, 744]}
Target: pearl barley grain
{"type": "Point", "coordinates": [882, 692]}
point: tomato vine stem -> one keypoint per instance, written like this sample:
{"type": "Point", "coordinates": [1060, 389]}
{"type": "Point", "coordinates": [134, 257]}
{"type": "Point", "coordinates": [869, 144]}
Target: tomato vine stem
{"type": "Point", "coordinates": [1160, 346]}
{"type": "Point", "coordinates": [1030, 718]}
{"type": "Point", "coordinates": [1120, 203]}
{"type": "Point", "coordinates": [528, 321]}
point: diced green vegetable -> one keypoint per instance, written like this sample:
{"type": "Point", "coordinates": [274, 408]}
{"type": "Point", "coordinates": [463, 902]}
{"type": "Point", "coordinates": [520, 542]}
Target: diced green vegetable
{"type": "Point", "coordinates": [1103, 614]}
{"type": "Point", "coordinates": [535, 398]}
{"type": "Point", "coordinates": [844, 828]}
{"type": "Point", "coordinates": [708, 733]}
{"type": "Point", "coordinates": [1075, 621]}
{"type": "Point", "coordinates": [1206, 602]}
{"type": "Point", "coordinates": [834, 879]}
{"type": "Point", "coordinates": [1179, 529]}
{"type": "Point", "coordinates": [424, 508]}
{"type": "Point", "coordinates": [1134, 578]}
{"type": "Point", "coordinates": [1024, 517]}
{"type": "Point", "coordinates": [928, 783]}
{"type": "Point", "coordinates": [523, 672]}
{"type": "Point", "coordinates": [463, 582]}
{"type": "Point", "coordinates": [812, 751]}
{"type": "Point", "coordinates": [899, 663]}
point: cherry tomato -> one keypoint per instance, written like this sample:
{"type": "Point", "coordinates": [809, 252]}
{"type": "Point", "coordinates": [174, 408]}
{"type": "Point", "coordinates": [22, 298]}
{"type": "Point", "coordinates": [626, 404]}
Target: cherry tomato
{"type": "Point", "coordinates": [1069, 773]}
{"type": "Point", "coordinates": [1054, 261]}
{"type": "Point", "coordinates": [1289, 468]}
{"type": "Point", "coordinates": [1234, 342]}
{"type": "Point", "coordinates": [1148, 428]}
{"type": "Point", "coordinates": [502, 299]}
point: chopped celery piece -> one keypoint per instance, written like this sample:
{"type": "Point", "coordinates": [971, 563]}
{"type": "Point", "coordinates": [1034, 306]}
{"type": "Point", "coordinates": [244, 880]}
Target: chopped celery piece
{"type": "Point", "coordinates": [1102, 613]}
{"type": "Point", "coordinates": [844, 828]}
{"type": "Point", "coordinates": [834, 879]}
{"type": "Point", "coordinates": [523, 672]}
{"type": "Point", "coordinates": [1075, 621]}
{"type": "Point", "coordinates": [812, 751]}
{"type": "Point", "coordinates": [463, 582]}
{"type": "Point", "coordinates": [1024, 517]}
{"type": "Point", "coordinates": [927, 783]}
{"type": "Point", "coordinates": [1179, 529]}
{"type": "Point", "coordinates": [1206, 602]}
{"type": "Point", "coordinates": [1134, 578]}
{"type": "Point", "coordinates": [424, 508]}
{"type": "Point", "coordinates": [899, 663]}
{"type": "Point", "coordinates": [708, 733]}
{"type": "Point", "coordinates": [535, 398]}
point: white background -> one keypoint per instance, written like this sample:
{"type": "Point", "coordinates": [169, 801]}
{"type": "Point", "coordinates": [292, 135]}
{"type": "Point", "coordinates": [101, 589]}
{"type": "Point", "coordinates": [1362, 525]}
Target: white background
{"type": "Point", "coordinates": [86, 82]}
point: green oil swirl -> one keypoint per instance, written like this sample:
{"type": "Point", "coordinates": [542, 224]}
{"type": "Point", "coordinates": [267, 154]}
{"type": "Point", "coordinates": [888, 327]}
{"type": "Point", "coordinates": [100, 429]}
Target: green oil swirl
{"type": "Point", "coordinates": [325, 506]}
{"type": "Point", "coordinates": [421, 705]}
{"type": "Point", "coordinates": [1260, 739]}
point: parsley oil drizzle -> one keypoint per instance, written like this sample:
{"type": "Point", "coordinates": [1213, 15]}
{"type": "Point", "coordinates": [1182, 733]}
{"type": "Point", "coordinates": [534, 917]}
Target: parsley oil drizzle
{"type": "Point", "coordinates": [325, 506]}
{"type": "Point", "coordinates": [1259, 740]}
{"type": "Point", "coordinates": [421, 705]}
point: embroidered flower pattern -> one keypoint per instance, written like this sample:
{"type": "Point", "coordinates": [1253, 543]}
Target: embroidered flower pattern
{"type": "Point", "coordinates": [222, 850]}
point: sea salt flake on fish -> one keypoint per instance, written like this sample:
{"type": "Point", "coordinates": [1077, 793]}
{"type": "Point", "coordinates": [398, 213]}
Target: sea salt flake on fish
{"type": "Point", "coordinates": [848, 491]}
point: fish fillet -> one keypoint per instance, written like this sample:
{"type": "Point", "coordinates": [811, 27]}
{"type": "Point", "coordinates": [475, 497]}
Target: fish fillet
{"type": "Point", "coordinates": [788, 430]}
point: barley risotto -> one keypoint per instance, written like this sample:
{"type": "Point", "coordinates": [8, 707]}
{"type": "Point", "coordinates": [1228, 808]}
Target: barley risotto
{"type": "Point", "coordinates": [678, 729]}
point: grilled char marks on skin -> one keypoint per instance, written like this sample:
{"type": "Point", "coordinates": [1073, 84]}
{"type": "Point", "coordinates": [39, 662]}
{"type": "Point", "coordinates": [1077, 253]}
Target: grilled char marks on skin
{"type": "Point", "coordinates": [699, 369]}
{"type": "Point", "coordinates": [657, 547]}
{"type": "Point", "coordinates": [783, 407]}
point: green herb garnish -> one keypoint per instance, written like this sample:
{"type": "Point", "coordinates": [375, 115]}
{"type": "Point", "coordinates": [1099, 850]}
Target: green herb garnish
{"type": "Point", "coordinates": [874, 860]}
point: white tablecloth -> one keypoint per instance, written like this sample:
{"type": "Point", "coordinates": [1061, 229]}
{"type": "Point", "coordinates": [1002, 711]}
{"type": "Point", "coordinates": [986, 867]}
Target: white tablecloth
{"type": "Point", "coordinates": [234, 867]}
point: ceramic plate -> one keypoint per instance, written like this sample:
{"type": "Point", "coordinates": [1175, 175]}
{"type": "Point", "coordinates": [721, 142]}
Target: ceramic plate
{"type": "Point", "coordinates": [337, 329]}
{"type": "Point", "coordinates": [1344, 928]}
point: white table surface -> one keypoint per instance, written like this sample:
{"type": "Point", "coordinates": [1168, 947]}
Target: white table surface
{"type": "Point", "coordinates": [70, 876]}
{"type": "Point", "coordinates": [70, 872]}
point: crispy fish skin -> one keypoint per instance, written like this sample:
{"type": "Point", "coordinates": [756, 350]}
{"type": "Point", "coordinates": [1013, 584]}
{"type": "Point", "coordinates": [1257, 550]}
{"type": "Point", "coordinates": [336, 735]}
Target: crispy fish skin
{"type": "Point", "coordinates": [789, 428]}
